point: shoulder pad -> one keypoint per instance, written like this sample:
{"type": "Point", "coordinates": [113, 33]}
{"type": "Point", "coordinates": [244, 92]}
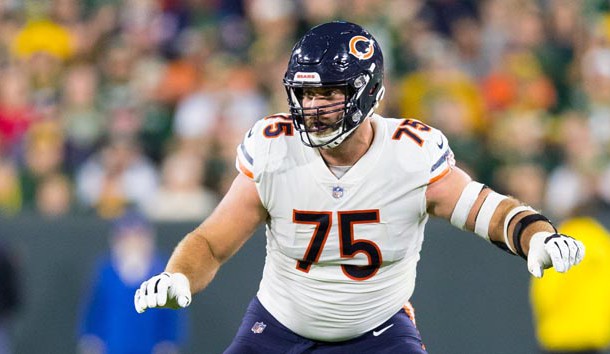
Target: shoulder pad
{"type": "Point", "coordinates": [433, 142]}
{"type": "Point", "coordinates": [252, 150]}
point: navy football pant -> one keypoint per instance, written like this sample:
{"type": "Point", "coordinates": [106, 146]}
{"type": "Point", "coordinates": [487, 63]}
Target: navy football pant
{"type": "Point", "coordinates": [261, 333]}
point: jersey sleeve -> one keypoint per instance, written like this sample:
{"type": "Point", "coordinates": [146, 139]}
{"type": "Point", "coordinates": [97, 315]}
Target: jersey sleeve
{"type": "Point", "coordinates": [246, 161]}
{"type": "Point", "coordinates": [440, 155]}
{"type": "Point", "coordinates": [254, 152]}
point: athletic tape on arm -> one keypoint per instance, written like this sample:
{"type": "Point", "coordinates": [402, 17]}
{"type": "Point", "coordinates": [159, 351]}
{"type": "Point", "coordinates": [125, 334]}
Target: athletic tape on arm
{"type": "Point", "coordinates": [511, 214]}
{"type": "Point", "coordinates": [464, 204]}
{"type": "Point", "coordinates": [487, 210]}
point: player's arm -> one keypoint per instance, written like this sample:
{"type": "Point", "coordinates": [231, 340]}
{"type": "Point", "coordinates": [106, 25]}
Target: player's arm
{"type": "Point", "coordinates": [502, 220]}
{"type": "Point", "coordinates": [200, 254]}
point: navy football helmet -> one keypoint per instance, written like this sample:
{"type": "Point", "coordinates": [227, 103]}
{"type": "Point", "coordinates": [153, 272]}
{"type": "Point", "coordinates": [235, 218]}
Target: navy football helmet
{"type": "Point", "coordinates": [339, 55]}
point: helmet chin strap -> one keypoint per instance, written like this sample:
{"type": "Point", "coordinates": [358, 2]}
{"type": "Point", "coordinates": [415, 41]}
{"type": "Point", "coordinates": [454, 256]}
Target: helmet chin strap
{"type": "Point", "coordinates": [342, 138]}
{"type": "Point", "coordinates": [339, 140]}
{"type": "Point", "coordinates": [335, 139]}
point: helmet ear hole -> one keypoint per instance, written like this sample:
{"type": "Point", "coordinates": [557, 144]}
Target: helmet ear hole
{"type": "Point", "coordinates": [379, 97]}
{"type": "Point", "coordinates": [374, 89]}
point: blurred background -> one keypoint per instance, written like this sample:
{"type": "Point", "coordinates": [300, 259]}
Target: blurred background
{"type": "Point", "coordinates": [109, 107]}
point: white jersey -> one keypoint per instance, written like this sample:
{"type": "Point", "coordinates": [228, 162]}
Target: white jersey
{"type": "Point", "coordinates": [342, 253]}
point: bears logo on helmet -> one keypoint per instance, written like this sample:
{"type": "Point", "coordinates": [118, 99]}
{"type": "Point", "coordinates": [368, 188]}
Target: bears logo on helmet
{"type": "Point", "coordinates": [353, 47]}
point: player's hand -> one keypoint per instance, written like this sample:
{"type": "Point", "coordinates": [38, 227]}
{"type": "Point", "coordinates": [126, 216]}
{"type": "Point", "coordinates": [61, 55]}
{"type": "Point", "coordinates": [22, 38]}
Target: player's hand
{"type": "Point", "coordinates": [550, 249]}
{"type": "Point", "coordinates": [167, 290]}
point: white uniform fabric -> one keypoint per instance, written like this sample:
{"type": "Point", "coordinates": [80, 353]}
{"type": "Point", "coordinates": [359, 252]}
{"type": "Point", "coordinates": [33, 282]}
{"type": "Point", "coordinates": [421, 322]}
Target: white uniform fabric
{"type": "Point", "coordinates": [380, 203]}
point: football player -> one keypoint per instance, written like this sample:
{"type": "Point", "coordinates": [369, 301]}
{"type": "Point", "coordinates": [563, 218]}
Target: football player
{"type": "Point", "coordinates": [345, 195]}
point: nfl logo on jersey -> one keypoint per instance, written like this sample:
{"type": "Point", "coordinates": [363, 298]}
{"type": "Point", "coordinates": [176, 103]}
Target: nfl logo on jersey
{"type": "Point", "coordinates": [337, 192]}
{"type": "Point", "coordinates": [258, 327]}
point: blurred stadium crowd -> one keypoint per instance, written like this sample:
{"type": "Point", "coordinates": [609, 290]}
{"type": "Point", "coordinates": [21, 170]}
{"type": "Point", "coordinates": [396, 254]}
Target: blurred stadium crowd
{"type": "Point", "coordinates": [107, 104]}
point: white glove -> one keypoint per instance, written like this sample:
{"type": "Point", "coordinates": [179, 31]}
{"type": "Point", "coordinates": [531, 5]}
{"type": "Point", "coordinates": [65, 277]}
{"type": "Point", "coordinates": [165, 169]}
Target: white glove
{"type": "Point", "coordinates": [168, 290]}
{"type": "Point", "coordinates": [550, 249]}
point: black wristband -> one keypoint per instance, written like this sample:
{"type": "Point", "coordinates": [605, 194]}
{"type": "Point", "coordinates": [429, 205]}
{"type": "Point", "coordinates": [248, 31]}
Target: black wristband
{"type": "Point", "coordinates": [521, 225]}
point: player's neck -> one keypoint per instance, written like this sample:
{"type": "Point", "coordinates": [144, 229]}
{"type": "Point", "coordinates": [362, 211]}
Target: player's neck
{"type": "Point", "coordinates": [353, 148]}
